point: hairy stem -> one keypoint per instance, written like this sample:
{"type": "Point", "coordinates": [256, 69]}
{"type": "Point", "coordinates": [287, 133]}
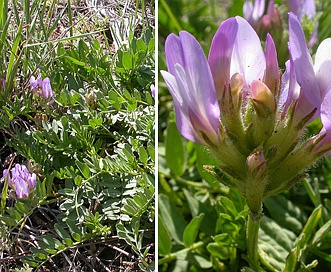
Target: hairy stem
{"type": "Point", "coordinates": [252, 240]}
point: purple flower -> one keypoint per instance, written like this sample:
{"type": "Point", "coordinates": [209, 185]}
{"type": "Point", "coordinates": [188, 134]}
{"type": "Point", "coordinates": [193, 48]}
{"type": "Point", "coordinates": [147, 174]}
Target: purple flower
{"type": "Point", "coordinates": [249, 115]}
{"type": "Point", "coordinates": [270, 21]}
{"type": "Point", "coordinates": [35, 82]}
{"type": "Point", "coordinates": [20, 179]}
{"type": "Point", "coordinates": [254, 12]}
{"type": "Point", "coordinates": [313, 79]}
{"type": "Point", "coordinates": [44, 85]}
{"type": "Point", "coordinates": [262, 22]}
{"type": "Point", "coordinates": [302, 8]}
{"type": "Point", "coordinates": [236, 49]}
{"type": "Point", "coordinates": [191, 85]}
{"type": "Point", "coordinates": [153, 90]}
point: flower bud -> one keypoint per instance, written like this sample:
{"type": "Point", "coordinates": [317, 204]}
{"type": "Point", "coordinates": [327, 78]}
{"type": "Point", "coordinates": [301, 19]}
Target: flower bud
{"type": "Point", "coordinates": [256, 164]}
{"type": "Point", "coordinates": [39, 118]}
{"type": "Point", "coordinates": [91, 100]}
{"type": "Point", "coordinates": [262, 96]}
{"type": "Point", "coordinates": [20, 180]}
{"type": "Point", "coordinates": [236, 82]}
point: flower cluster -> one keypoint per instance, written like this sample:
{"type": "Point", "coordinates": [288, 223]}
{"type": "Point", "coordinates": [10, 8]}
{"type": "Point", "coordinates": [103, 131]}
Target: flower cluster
{"type": "Point", "coordinates": [269, 21]}
{"type": "Point", "coordinates": [262, 22]}
{"type": "Point", "coordinates": [44, 85]}
{"type": "Point", "coordinates": [20, 179]}
{"type": "Point", "coordinates": [239, 105]}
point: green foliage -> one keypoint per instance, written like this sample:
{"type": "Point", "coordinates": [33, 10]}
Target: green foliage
{"type": "Point", "coordinates": [93, 147]}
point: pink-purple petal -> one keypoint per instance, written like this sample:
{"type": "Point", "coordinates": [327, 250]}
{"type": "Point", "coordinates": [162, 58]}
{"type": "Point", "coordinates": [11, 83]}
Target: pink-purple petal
{"type": "Point", "coordinates": [307, 8]}
{"type": "Point", "coordinates": [294, 6]}
{"type": "Point", "coordinates": [191, 84]}
{"type": "Point", "coordinates": [253, 12]}
{"type": "Point", "coordinates": [302, 62]}
{"type": "Point", "coordinates": [248, 12]}
{"type": "Point", "coordinates": [322, 66]}
{"type": "Point", "coordinates": [259, 6]}
{"type": "Point", "coordinates": [326, 115]}
{"type": "Point", "coordinates": [33, 83]}
{"type": "Point", "coordinates": [272, 74]}
{"type": "Point", "coordinates": [182, 121]}
{"type": "Point", "coordinates": [46, 88]}
{"type": "Point", "coordinates": [174, 52]}
{"type": "Point", "coordinates": [219, 58]}
{"type": "Point", "coordinates": [248, 58]}
{"type": "Point", "coordinates": [21, 188]}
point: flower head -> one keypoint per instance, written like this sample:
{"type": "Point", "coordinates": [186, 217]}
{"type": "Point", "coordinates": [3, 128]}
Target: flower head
{"type": "Point", "coordinates": [20, 179]}
{"type": "Point", "coordinates": [44, 85]}
{"type": "Point", "coordinates": [313, 79]}
{"type": "Point", "coordinates": [245, 111]}
{"type": "Point", "coordinates": [191, 84]}
{"type": "Point", "coordinates": [46, 88]}
{"type": "Point", "coordinates": [263, 22]}
{"type": "Point", "coordinates": [253, 12]}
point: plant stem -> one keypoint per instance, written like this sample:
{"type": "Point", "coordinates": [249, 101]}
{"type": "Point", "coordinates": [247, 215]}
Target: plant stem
{"type": "Point", "coordinates": [173, 256]}
{"type": "Point", "coordinates": [252, 240]}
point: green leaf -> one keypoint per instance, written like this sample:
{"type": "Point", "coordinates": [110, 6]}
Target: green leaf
{"type": "Point", "coordinates": [127, 61]}
{"type": "Point", "coordinates": [74, 230]}
{"type": "Point", "coordinates": [95, 122]}
{"type": "Point", "coordinates": [61, 98]}
{"type": "Point", "coordinates": [311, 224]}
{"type": "Point", "coordinates": [44, 246]}
{"type": "Point", "coordinates": [8, 220]}
{"type": "Point", "coordinates": [84, 169]}
{"type": "Point", "coordinates": [191, 230]}
{"type": "Point", "coordinates": [205, 157]}
{"type": "Point", "coordinates": [218, 251]}
{"type": "Point", "coordinates": [51, 242]}
{"type": "Point", "coordinates": [11, 68]}
{"type": "Point", "coordinates": [30, 261]}
{"type": "Point", "coordinates": [151, 151]}
{"type": "Point", "coordinates": [321, 233]}
{"type": "Point", "coordinates": [39, 253]}
{"type": "Point", "coordinates": [78, 180]}
{"type": "Point", "coordinates": [164, 240]}
{"type": "Point", "coordinates": [175, 222]}
{"type": "Point", "coordinates": [285, 213]}
{"type": "Point", "coordinates": [175, 154]}
{"type": "Point", "coordinates": [21, 207]}
{"type": "Point", "coordinates": [275, 243]}
{"type": "Point", "coordinates": [229, 205]}
{"type": "Point", "coordinates": [137, 94]}
{"type": "Point", "coordinates": [75, 61]}
{"type": "Point", "coordinates": [63, 234]}
{"type": "Point", "coordinates": [197, 207]}
{"type": "Point", "coordinates": [292, 258]}
{"type": "Point", "coordinates": [198, 260]}
{"type": "Point", "coordinates": [143, 156]}
{"type": "Point", "coordinates": [14, 214]}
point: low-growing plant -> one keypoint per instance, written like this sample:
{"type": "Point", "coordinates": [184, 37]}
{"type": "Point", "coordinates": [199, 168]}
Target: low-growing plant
{"type": "Point", "coordinates": [85, 127]}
